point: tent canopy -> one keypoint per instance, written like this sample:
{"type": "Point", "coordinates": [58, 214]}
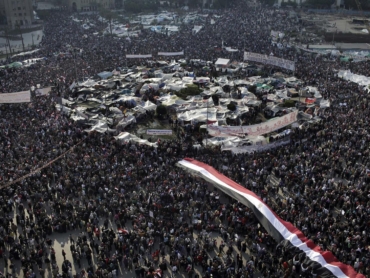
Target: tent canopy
{"type": "Point", "coordinates": [105, 74]}
{"type": "Point", "coordinates": [222, 62]}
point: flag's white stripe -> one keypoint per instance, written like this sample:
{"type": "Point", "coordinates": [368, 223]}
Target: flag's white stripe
{"type": "Point", "coordinates": [313, 255]}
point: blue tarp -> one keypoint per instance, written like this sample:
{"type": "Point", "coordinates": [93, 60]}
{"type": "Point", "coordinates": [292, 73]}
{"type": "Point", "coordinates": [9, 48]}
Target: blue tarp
{"type": "Point", "coordinates": [105, 74]}
{"type": "Point", "coordinates": [126, 91]}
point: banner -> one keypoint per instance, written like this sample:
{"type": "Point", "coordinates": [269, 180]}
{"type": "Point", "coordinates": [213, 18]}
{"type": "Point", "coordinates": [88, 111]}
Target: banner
{"type": "Point", "coordinates": [258, 148]}
{"type": "Point", "coordinates": [138, 56]}
{"type": "Point", "coordinates": [73, 85]}
{"type": "Point", "coordinates": [159, 132]}
{"type": "Point", "coordinates": [229, 49]}
{"type": "Point", "coordinates": [18, 97]}
{"type": "Point", "coordinates": [42, 92]}
{"type": "Point", "coordinates": [254, 130]}
{"type": "Point", "coordinates": [269, 60]}
{"type": "Point", "coordinates": [171, 53]}
{"type": "Point", "coordinates": [323, 261]}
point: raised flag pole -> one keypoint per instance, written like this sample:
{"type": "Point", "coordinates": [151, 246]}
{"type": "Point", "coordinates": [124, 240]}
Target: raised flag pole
{"type": "Point", "coordinates": [207, 126]}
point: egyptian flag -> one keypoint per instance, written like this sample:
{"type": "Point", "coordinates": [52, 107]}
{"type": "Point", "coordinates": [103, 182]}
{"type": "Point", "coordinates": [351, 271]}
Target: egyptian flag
{"type": "Point", "coordinates": [324, 262]}
{"type": "Point", "coordinates": [310, 100]}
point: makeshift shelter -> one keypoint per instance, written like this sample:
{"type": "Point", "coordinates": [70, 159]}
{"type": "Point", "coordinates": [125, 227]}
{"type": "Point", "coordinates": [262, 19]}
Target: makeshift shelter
{"type": "Point", "coordinates": [199, 115]}
{"type": "Point", "coordinates": [148, 106]}
{"type": "Point", "coordinates": [101, 127]}
{"type": "Point", "coordinates": [223, 63]}
{"type": "Point", "coordinates": [127, 137]}
{"type": "Point", "coordinates": [105, 74]}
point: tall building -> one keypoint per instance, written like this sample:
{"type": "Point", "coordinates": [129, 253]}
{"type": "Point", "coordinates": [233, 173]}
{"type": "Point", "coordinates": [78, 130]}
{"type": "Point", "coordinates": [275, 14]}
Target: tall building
{"type": "Point", "coordinates": [18, 12]}
{"type": "Point", "coordinates": [2, 9]}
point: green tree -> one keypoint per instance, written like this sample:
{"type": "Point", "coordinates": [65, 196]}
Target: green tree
{"type": "Point", "coordinates": [365, 4]}
{"type": "Point", "coordinates": [191, 90]}
{"type": "Point", "coordinates": [289, 103]}
{"type": "Point", "coordinates": [231, 106]}
{"type": "Point", "coordinates": [108, 15]}
{"type": "Point", "coordinates": [252, 89]}
{"type": "Point", "coordinates": [161, 110]}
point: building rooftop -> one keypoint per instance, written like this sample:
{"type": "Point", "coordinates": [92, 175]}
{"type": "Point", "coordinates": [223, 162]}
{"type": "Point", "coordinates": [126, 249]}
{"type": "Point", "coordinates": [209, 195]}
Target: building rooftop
{"type": "Point", "coordinates": [342, 46]}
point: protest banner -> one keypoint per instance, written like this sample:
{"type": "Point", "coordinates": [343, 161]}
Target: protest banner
{"type": "Point", "coordinates": [42, 92]}
{"type": "Point", "coordinates": [269, 60]}
{"type": "Point", "coordinates": [138, 56]}
{"type": "Point", "coordinates": [171, 53]}
{"type": "Point", "coordinates": [254, 130]}
{"type": "Point", "coordinates": [159, 132]}
{"type": "Point", "coordinates": [257, 148]}
{"type": "Point", "coordinates": [18, 97]}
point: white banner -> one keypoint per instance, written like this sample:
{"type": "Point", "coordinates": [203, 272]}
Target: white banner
{"type": "Point", "coordinates": [258, 148]}
{"type": "Point", "coordinates": [18, 97]}
{"type": "Point", "coordinates": [269, 60]}
{"type": "Point", "coordinates": [254, 130]}
{"type": "Point", "coordinates": [171, 53]}
{"type": "Point", "coordinates": [139, 56]}
{"type": "Point", "coordinates": [159, 132]}
{"type": "Point", "coordinates": [229, 49]}
{"type": "Point", "coordinates": [72, 85]}
{"type": "Point", "coordinates": [42, 92]}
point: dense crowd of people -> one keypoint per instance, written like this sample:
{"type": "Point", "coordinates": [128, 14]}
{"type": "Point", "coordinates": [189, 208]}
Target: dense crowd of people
{"type": "Point", "coordinates": [129, 209]}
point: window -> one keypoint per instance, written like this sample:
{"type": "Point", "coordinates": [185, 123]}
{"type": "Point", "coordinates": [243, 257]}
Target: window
{"type": "Point", "coordinates": [25, 14]}
{"type": "Point", "coordinates": [20, 14]}
{"type": "Point", "coordinates": [19, 8]}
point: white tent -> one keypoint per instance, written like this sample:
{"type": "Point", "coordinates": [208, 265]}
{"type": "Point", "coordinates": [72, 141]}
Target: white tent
{"type": "Point", "coordinates": [199, 115]}
{"type": "Point", "coordinates": [105, 74]}
{"type": "Point", "coordinates": [127, 137]}
{"type": "Point", "coordinates": [169, 100]}
{"type": "Point", "coordinates": [196, 29]}
{"type": "Point", "coordinates": [126, 121]}
{"type": "Point", "coordinates": [222, 62]}
{"type": "Point", "coordinates": [148, 105]}
{"type": "Point", "coordinates": [101, 127]}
